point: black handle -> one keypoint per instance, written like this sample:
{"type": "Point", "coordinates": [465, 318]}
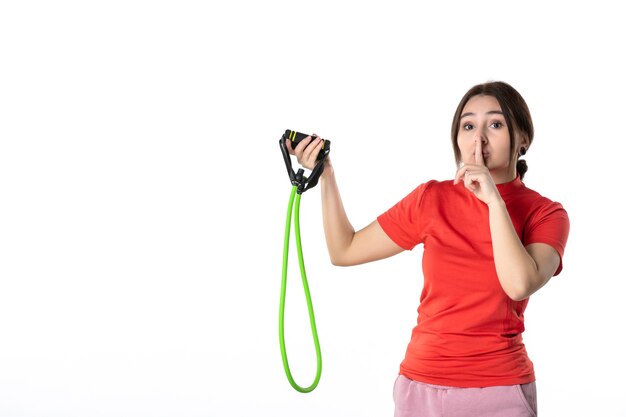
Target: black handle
{"type": "Point", "coordinates": [297, 137]}
{"type": "Point", "coordinates": [299, 180]}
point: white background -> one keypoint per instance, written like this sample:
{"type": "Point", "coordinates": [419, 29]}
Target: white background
{"type": "Point", "coordinates": [143, 196]}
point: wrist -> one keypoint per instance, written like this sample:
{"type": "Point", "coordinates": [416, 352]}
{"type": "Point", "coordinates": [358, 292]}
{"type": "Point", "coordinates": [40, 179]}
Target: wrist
{"type": "Point", "coordinates": [497, 203]}
{"type": "Point", "coordinates": [328, 170]}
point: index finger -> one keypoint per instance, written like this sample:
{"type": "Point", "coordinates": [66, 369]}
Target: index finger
{"type": "Point", "coordinates": [298, 146]}
{"type": "Point", "coordinates": [478, 153]}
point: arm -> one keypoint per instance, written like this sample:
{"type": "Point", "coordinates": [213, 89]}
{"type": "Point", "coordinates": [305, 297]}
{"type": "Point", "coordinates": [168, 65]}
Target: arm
{"type": "Point", "coordinates": [521, 270]}
{"type": "Point", "coordinates": [345, 246]}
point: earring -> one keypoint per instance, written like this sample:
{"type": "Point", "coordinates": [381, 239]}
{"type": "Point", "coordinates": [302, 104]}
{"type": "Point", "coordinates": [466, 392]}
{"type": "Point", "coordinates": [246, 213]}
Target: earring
{"type": "Point", "coordinates": [522, 151]}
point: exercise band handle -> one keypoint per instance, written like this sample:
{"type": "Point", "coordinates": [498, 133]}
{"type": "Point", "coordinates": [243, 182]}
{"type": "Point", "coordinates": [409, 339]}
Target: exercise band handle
{"type": "Point", "coordinates": [303, 183]}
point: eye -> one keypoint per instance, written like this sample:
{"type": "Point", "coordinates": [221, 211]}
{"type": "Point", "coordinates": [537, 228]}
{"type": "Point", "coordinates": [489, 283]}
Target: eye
{"type": "Point", "coordinates": [497, 125]}
{"type": "Point", "coordinates": [468, 126]}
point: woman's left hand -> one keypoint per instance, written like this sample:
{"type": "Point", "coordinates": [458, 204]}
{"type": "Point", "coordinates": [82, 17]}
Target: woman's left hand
{"type": "Point", "coordinates": [477, 179]}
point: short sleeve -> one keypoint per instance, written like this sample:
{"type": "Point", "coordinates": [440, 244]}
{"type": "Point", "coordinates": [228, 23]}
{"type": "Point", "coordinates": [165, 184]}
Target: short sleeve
{"type": "Point", "coordinates": [403, 222]}
{"type": "Point", "coordinates": [550, 225]}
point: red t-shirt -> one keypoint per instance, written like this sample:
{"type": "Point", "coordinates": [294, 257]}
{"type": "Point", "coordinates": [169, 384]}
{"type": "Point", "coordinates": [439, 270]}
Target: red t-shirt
{"type": "Point", "coordinates": [469, 332]}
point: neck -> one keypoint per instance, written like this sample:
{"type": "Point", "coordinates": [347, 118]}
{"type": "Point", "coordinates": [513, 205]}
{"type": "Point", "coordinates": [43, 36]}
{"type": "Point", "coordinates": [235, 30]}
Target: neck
{"type": "Point", "coordinates": [504, 175]}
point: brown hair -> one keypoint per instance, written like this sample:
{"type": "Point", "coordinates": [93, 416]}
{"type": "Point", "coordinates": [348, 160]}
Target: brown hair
{"type": "Point", "coordinates": [514, 109]}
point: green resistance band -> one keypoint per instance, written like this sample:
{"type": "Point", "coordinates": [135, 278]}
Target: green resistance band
{"type": "Point", "coordinates": [283, 291]}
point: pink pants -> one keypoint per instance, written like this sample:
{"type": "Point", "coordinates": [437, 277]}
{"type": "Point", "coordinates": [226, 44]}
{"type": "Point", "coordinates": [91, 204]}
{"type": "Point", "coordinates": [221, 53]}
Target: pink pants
{"type": "Point", "coordinates": [416, 399]}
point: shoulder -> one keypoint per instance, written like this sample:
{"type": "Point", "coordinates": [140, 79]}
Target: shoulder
{"type": "Point", "coordinates": [444, 191]}
{"type": "Point", "coordinates": [539, 201]}
{"type": "Point", "coordinates": [418, 193]}
{"type": "Point", "coordinates": [434, 190]}
{"type": "Point", "coordinates": [418, 198]}
{"type": "Point", "coordinates": [438, 187]}
{"type": "Point", "coordinates": [542, 210]}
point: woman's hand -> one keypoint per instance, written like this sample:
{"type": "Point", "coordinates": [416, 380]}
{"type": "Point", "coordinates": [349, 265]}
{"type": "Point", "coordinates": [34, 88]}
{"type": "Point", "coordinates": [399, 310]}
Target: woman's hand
{"type": "Point", "coordinates": [307, 155]}
{"type": "Point", "coordinates": [477, 179]}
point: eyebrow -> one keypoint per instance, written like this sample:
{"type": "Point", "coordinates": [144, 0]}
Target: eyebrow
{"type": "Point", "coordinates": [489, 112]}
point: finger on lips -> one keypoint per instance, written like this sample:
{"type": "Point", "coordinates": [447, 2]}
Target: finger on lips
{"type": "Point", "coordinates": [478, 153]}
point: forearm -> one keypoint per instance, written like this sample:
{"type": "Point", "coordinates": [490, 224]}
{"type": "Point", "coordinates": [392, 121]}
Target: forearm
{"type": "Point", "coordinates": [337, 228]}
{"type": "Point", "coordinates": [515, 267]}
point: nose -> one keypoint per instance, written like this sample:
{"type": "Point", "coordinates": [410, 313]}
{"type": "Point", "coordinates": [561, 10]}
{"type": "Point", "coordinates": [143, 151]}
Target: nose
{"type": "Point", "coordinates": [481, 135]}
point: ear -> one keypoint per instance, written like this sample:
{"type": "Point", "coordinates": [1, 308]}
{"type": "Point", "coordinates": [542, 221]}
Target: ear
{"type": "Point", "coordinates": [524, 142]}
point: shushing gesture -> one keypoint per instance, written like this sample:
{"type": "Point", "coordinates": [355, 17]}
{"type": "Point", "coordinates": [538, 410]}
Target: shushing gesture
{"type": "Point", "coordinates": [477, 179]}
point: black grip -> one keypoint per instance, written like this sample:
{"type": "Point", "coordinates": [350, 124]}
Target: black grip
{"type": "Point", "coordinates": [297, 137]}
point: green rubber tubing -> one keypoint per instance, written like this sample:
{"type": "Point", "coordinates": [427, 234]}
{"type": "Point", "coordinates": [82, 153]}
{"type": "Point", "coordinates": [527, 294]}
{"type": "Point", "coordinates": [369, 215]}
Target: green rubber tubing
{"type": "Point", "coordinates": [283, 291]}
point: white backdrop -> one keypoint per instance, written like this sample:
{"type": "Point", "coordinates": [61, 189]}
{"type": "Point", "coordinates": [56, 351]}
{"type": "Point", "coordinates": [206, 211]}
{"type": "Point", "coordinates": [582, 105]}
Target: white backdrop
{"type": "Point", "coordinates": [143, 196]}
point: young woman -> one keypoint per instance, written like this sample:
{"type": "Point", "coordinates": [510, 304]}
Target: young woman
{"type": "Point", "coordinates": [489, 243]}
